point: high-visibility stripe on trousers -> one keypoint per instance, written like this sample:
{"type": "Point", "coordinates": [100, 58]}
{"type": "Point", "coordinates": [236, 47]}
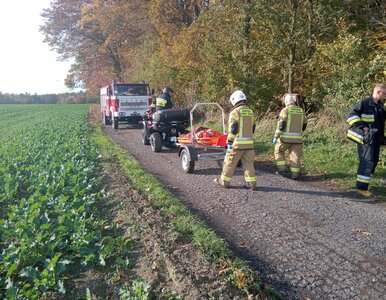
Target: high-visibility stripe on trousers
{"type": "Point", "coordinates": [368, 160]}
{"type": "Point", "coordinates": [295, 153]}
{"type": "Point", "coordinates": [231, 159]}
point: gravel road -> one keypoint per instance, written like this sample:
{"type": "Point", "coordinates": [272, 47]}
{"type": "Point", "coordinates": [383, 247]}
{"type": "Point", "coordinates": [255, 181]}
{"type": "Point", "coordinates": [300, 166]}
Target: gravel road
{"type": "Point", "coordinates": [307, 241]}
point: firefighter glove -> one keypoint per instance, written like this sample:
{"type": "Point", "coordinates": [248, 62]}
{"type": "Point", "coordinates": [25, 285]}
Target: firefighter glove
{"type": "Point", "coordinates": [369, 136]}
{"type": "Point", "coordinates": [274, 141]}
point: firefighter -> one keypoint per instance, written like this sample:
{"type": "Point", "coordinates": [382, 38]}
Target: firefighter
{"type": "Point", "coordinates": [368, 117]}
{"type": "Point", "coordinates": [239, 143]}
{"type": "Point", "coordinates": [289, 136]}
{"type": "Point", "coordinates": [163, 100]}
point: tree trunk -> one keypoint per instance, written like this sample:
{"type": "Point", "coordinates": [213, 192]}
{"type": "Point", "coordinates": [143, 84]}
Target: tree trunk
{"type": "Point", "coordinates": [292, 46]}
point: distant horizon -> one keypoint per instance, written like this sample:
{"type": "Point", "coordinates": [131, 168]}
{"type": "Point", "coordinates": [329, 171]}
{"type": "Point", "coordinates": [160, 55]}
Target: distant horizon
{"type": "Point", "coordinates": [40, 94]}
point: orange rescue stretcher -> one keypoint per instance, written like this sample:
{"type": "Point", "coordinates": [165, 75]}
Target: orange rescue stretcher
{"type": "Point", "coordinates": [202, 143]}
{"type": "Point", "coordinates": [203, 136]}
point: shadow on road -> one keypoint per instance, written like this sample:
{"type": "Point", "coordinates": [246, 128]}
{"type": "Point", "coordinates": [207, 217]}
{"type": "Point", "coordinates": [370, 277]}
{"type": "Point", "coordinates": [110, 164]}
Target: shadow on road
{"type": "Point", "coordinates": [350, 195]}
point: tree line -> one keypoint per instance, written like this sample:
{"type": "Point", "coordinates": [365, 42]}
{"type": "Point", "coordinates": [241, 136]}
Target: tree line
{"type": "Point", "coordinates": [331, 52]}
{"type": "Point", "coordinates": [64, 98]}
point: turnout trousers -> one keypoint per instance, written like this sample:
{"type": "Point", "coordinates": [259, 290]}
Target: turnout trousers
{"type": "Point", "coordinates": [368, 159]}
{"type": "Point", "coordinates": [295, 153]}
{"type": "Point", "coordinates": [231, 159]}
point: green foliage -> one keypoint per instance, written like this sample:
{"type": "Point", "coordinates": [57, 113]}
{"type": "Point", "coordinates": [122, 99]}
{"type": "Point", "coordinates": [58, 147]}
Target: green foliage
{"type": "Point", "coordinates": [140, 290]}
{"type": "Point", "coordinates": [328, 51]}
{"type": "Point", "coordinates": [210, 243]}
{"type": "Point", "coordinates": [318, 159]}
{"type": "Point", "coordinates": [346, 74]}
{"type": "Point", "coordinates": [49, 187]}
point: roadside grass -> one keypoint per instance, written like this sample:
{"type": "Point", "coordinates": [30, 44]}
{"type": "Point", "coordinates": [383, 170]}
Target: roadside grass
{"type": "Point", "coordinates": [328, 154]}
{"type": "Point", "coordinates": [186, 224]}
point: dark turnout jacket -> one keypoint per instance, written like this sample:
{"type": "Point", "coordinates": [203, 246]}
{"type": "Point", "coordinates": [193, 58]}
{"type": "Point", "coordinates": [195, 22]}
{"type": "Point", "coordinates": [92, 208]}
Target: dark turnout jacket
{"type": "Point", "coordinates": [367, 113]}
{"type": "Point", "coordinates": [163, 101]}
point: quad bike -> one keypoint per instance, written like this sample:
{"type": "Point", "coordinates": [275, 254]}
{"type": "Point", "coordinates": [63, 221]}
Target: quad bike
{"type": "Point", "coordinates": [162, 128]}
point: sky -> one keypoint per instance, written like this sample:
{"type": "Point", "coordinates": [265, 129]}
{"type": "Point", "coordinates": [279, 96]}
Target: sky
{"type": "Point", "coordinates": [27, 65]}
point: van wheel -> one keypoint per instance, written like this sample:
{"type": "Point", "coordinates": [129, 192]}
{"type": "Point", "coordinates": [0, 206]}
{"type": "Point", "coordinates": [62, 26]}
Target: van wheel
{"type": "Point", "coordinates": [114, 124]}
{"type": "Point", "coordinates": [105, 119]}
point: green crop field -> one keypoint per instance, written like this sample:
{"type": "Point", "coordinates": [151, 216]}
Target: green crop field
{"type": "Point", "coordinates": [48, 190]}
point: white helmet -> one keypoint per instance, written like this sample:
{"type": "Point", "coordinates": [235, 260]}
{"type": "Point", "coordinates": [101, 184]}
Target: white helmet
{"type": "Point", "coordinates": [289, 99]}
{"type": "Point", "coordinates": [237, 96]}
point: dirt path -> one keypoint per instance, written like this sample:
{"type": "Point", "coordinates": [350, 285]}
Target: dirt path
{"type": "Point", "coordinates": [307, 241]}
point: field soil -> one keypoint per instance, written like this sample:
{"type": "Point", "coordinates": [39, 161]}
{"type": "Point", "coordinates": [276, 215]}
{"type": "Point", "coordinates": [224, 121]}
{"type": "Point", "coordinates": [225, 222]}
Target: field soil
{"type": "Point", "coordinates": [308, 238]}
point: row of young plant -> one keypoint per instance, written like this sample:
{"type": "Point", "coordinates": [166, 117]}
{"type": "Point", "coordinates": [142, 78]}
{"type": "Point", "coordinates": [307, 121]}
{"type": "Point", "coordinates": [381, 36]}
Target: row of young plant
{"type": "Point", "coordinates": [48, 190]}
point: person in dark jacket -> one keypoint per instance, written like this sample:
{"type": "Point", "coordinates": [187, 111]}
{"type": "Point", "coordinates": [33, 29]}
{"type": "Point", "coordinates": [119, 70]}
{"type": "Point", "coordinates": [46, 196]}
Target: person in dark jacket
{"type": "Point", "coordinates": [368, 117]}
{"type": "Point", "coordinates": [163, 100]}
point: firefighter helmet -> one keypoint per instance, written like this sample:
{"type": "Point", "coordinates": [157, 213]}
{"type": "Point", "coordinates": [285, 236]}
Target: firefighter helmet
{"type": "Point", "coordinates": [167, 90]}
{"type": "Point", "coordinates": [237, 96]}
{"type": "Point", "coordinates": [289, 99]}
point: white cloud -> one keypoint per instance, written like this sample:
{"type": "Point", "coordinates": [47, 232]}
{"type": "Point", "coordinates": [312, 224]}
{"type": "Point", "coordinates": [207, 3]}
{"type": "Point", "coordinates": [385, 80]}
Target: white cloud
{"type": "Point", "coordinates": [26, 63]}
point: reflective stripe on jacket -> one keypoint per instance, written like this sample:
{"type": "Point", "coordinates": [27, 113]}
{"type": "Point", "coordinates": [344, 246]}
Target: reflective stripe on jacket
{"type": "Point", "coordinates": [163, 101]}
{"type": "Point", "coordinates": [356, 135]}
{"type": "Point", "coordinates": [294, 118]}
{"type": "Point", "coordinates": [362, 113]}
{"type": "Point", "coordinates": [243, 139]}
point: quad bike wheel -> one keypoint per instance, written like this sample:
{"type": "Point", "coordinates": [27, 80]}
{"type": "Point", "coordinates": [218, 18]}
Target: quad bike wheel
{"type": "Point", "coordinates": [156, 142]}
{"type": "Point", "coordinates": [145, 137]}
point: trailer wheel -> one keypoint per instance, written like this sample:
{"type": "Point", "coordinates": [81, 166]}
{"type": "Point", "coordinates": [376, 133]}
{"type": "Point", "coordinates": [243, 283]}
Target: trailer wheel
{"type": "Point", "coordinates": [114, 123]}
{"type": "Point", "coordinates": [187, 164]}
{"type": "Point", "coordinates": [145, 138]}
{"type": "Point", "coordinates": [156, 142]}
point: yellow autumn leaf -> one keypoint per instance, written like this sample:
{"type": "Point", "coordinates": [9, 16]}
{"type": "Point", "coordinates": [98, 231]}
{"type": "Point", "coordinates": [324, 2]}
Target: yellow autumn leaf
{"type": "Point", "coordinates": [361, 231]}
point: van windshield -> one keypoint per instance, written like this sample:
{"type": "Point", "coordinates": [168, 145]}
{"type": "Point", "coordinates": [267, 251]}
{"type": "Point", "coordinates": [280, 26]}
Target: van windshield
{"type": "Point", "coordinates": [131, 90]}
